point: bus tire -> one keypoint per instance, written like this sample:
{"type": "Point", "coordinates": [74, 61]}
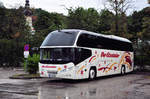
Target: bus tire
{"type": "Point", "coordinates": [123, 70]}
{"type": "Point", "coordinates": [92, 73]}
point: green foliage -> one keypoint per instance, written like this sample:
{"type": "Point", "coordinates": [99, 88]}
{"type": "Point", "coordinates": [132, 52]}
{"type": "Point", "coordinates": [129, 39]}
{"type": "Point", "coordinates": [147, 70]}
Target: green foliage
{"type": "Point", "coordinates": [47, 22]}
{"type": "Point", "coordinates": [135, 24]}
{"type": "Point", "coordinates": [135, 21]}
{"type": "Point", "coordinates": [146, 28]}
{"type": "Point", "coordinates": [90, 19]}
{"type": "Point", "coordinates": [106, 22]}
{"type": "Point", "coordinates": [12, 24]}
{"type": "Point", "coordinates": [11, 52]}
{"type": "Point", "coordinates": [81, 18]}
{"type": "Point", "coordinates": [140, 26]}
{"type": "Point", "coordinates": [44, 24]}
{"type": "Point", "coordinates": [32, 64]}
{"type": "Point", "coordinates": [13, 30]}
{"type": "Point", "coordinates": [142, 60]}
{"type": "Point", "coordinates": [147, 48]}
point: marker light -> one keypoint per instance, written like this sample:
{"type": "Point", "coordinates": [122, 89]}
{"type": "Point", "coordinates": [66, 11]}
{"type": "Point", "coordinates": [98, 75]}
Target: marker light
{"type": "Point", "coordinates": [65, 66]}
{"type": "Point", "coordinates": [42, 73]}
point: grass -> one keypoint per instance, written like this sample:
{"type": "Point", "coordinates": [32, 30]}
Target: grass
{"type": "Point", "coordinates": [148, 77]}
{"type": "Point", "coordinates": [25, 76]}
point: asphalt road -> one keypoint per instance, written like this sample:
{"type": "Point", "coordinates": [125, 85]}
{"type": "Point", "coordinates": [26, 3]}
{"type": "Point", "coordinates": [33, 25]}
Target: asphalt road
{"type": "Point", "coordinates": [130, 86]}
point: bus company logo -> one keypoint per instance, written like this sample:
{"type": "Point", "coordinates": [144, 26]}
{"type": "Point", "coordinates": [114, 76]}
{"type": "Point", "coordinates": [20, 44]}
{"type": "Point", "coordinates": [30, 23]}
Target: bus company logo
{"type": "Point", "coordinates": [103, 54]}
{"type": "Point", "coordinates": [48, 66]}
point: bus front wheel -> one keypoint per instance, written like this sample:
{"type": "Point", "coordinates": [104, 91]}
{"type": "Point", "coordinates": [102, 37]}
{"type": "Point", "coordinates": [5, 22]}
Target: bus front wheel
{"type": "Point", "coordinates": [92, 74]}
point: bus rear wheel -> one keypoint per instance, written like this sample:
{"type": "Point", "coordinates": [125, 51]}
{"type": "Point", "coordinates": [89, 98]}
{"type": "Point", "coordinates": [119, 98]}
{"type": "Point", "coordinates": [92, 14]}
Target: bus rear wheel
{"type": "Point", "coordinates": [123, 70]}
{"type": "Point", "coordinates": [92, 74]}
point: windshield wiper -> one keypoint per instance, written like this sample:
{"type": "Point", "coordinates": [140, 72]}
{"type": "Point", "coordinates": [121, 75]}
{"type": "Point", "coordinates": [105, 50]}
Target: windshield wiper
{"type": "Point", "coordinates": [65, 32]}
{"type": "Point", "coordinates": [55, 59]}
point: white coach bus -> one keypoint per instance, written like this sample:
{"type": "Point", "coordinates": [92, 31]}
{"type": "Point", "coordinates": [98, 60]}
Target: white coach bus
{"type": "Point", "coordinates": [80, 54]}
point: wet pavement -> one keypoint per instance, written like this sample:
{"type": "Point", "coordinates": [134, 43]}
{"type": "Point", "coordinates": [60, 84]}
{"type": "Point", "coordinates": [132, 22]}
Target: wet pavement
{"type": "Point", "coordinates": [130, 86]}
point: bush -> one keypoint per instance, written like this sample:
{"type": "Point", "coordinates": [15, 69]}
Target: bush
{"type": "Point", "coordinates": [142, 60]}
{"type": "Point", "coordinates": [11, 52]}
{"type": "Point", "coordinates": [31, 66]}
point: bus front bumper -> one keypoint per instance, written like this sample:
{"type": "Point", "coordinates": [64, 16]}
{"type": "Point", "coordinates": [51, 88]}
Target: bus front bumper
{"type": "Point", "coordinates": [57, 71]}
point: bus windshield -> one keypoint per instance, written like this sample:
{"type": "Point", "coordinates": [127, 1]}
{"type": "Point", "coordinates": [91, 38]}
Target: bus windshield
{"type": "Point", "coordinates": [63, 55]}
{"type": "Point", "coordinates": [60, 38]}
{"type": "Point", "coordinates": [57, 55]}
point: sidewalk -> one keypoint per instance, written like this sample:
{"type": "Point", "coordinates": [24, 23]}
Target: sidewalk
{"type": "Point", "coordinates": [5, 73]}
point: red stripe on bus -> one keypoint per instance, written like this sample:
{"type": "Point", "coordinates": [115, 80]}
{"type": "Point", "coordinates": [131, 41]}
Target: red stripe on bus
{"type": "Point", "coordinates": [101, 68]}
{"type": "Point", "coordinates": [91, 58]}
{"type": "Point", "coordinates": [48, 66]}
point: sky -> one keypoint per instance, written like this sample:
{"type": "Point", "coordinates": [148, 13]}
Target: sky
{"type": "Point", "coordinates": [60, 6]}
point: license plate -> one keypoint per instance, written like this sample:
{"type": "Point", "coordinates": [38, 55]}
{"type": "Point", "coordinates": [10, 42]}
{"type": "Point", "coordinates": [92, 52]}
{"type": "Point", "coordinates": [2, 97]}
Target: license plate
{"type": "Point", "coordinates": [51, 75]}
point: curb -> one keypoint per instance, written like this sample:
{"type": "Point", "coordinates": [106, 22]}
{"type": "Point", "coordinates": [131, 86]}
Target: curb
{"type": "Point", "coordinates": [24, 76]}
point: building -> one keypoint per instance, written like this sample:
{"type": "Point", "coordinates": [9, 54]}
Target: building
{"type": "Point", "coordinates": [28, 15]}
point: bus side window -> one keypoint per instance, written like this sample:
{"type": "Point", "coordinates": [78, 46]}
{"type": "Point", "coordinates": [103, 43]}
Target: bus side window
{"type": "Point", "coordinates": [93, 41]}
{"type": "Point", "coordinates": [85, 53]}
{"type": "Point", "coordinates": [102, 43]}
{"type": "Point", "coordinates": [81, 54]}
{"type": "Point", "coordinates": [82, 40]}
{"type": "Point", "coordinates": [86, 40]}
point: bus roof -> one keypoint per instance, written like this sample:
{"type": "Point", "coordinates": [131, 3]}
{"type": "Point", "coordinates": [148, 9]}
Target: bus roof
{"type": "Point", "coordinates": [98, 34]}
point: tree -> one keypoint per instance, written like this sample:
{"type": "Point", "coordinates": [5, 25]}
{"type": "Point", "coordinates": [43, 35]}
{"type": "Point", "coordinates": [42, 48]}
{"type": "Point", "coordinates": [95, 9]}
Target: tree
{"type": "Point", "coordinates": [3, 14]}
{"type": "Point", "coordinates": [135, 21]}
{"type": "Point", "coordinates": [145, 34]}
{"type": "Point", "coordinates": [139, 25]}
{"type": "Point", "coordinates": [47, 22]}
{"type": "Point", "coordinates": [13, 30]}
{"type": "Point", "coordinates": [81, 18]}
{"type": "Point", "coordinates": [119, 7]}
{"type": "Point", "coordinates": [12, 23]}
{"type": "Point", "coordinates": [105, 22]}
{"type": "Point", "coordinates": [44, 24]}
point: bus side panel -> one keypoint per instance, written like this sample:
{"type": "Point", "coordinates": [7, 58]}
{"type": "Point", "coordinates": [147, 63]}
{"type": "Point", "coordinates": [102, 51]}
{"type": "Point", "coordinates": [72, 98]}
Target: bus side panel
{"type": "Point", "coordinates": [107, 62]}
{"type": "Point", "coordinates": [97, 60]}
{"type": "Point", "coordinates": [110, 62]}
{"type": "Point", "coordinates": [82, 70]}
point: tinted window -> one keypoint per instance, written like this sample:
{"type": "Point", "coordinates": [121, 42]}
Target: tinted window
{"type": "Point", "coordinates": [63, 55]}
{"type": "Point", "coordinates": [60, 39]}
{"type": "Point", "coordinates": [86, 40]}
{"type": "Point", "coordinates": [82, 54]}
{"type": "Point", "coordinates": [93, 41]}
{"type": "Point", "coordinates": [119, 45]}
{"type": "Point", "coordinates": [57, 55]}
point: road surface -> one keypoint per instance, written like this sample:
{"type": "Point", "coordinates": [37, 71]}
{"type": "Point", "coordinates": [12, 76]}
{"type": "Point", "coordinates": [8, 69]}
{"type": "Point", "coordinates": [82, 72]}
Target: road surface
{"type": "Point", "coordinates": [130, 86]}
